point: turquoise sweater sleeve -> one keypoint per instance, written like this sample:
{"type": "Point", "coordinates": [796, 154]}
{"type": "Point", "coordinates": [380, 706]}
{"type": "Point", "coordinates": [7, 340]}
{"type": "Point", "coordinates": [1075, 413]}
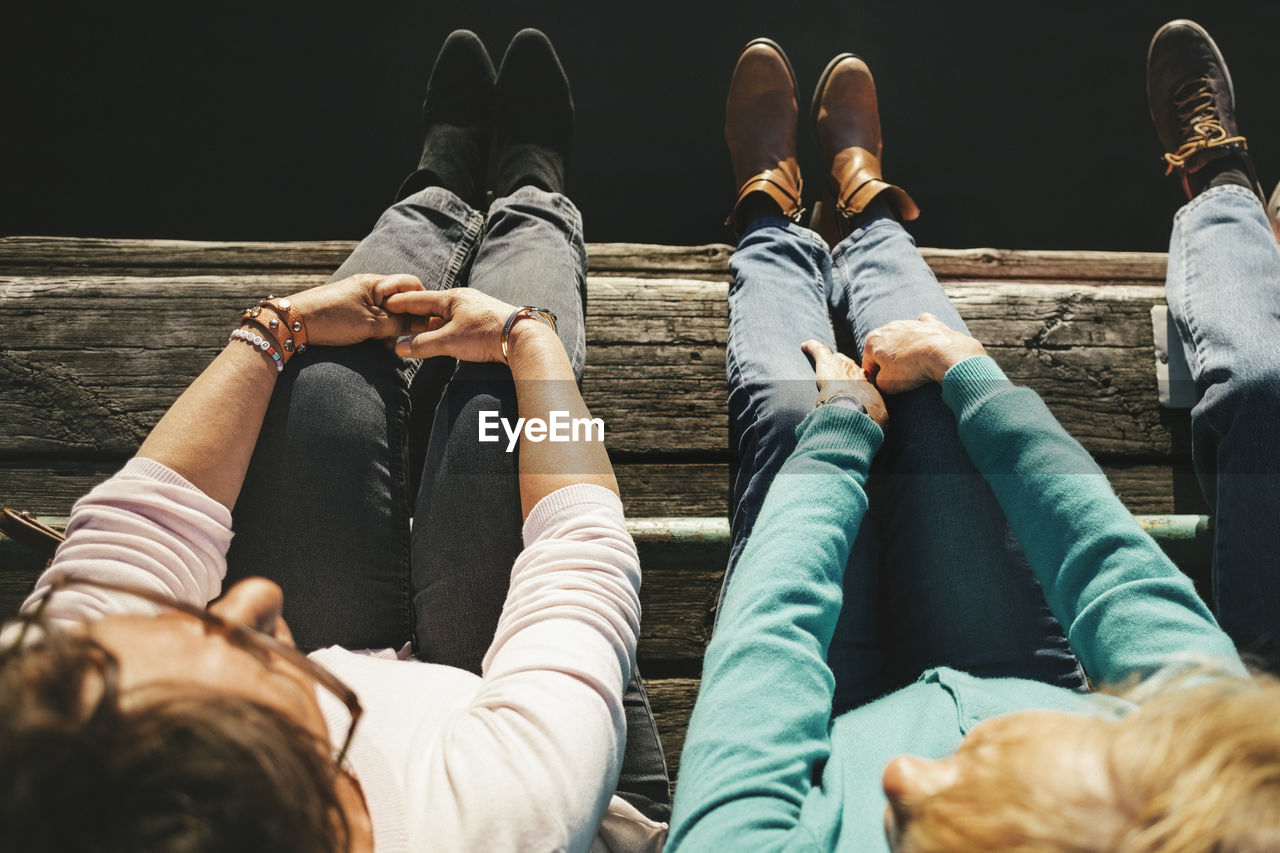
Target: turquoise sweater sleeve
{"type": "Point", "coordinates": [760, 726]}
{"type": "Point", "coordinates": [1126, 608]}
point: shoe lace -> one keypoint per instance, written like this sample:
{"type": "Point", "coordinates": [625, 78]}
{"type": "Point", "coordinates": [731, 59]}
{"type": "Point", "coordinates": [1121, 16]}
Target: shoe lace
{"type": "Point", "coordinates": [1196, 110]}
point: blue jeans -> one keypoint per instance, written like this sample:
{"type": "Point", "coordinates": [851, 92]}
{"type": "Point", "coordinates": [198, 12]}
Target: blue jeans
{"type": "Point", "coordinates": [327, 500]}
{"type": "Point", "coordinates": [1223, 290]}
{"type": "Point", "coordinates": [935, 577]}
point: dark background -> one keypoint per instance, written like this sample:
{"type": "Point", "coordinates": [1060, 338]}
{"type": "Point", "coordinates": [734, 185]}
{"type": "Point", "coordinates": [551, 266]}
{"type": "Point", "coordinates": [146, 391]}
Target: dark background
{"type": "Point", "coordinates": [1013, 124]}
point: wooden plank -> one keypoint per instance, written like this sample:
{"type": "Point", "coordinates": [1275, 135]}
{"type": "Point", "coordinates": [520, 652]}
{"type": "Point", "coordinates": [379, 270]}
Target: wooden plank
{"type": "Point", "coordinates": [1088, 351]}
{"type": "Point", "coordinates": [672, 701]}
{"type": "Point", "coordinates": [72, 381]}
{"type": "Point", "coordinates": [87, 255]}
{"type": "Point", "coordinates": [127, 256]}
{"type": "Point", "coordinates": [1157, 489]}
{"type": "Point", "coordinates": [710, 261]}
{"type": "Point", "coordinates": [1033, 265]}
{"type": "Point", "coordinates": [79, 255]}
{"type": "Point", "coordinates": [681, 489]}
{"type": "Point", "coordinates": [648, 489]}
{"type": "Point", "coordinates": [683, 561]}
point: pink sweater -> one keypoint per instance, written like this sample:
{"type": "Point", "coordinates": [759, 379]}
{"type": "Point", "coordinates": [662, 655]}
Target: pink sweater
{"type": "Point", "coordinates": [524, 757]}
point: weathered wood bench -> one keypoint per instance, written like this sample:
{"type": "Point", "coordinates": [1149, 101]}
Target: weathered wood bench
{"type": "Point", "coordinates": [78, 391]}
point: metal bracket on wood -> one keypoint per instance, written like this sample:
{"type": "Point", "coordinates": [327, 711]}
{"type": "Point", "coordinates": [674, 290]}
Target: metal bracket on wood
{"type": "Point", "coordinates": [1173, 375]}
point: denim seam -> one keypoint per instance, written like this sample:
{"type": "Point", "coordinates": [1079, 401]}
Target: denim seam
{"type": "Point", "coordinates": [848, 244]}
{"type": "Point", "coordinates": [399, 456]}
{"type": "Point", "coordinates": [472, 227]}
{"type": "Point", "coordinates": [839, 262]}
{"type": "Point", "coordinates": [840, 266]}
{"type": "Point", "coordinates": [1197, 339]}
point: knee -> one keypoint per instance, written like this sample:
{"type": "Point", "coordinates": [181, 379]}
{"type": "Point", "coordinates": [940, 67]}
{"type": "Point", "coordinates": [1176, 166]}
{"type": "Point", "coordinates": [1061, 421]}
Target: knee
{"type": "Point", "coordinates": [1252, 385]}
{"type": "Point", "coordinates": [773, 410]}
{"type": "Point", "coordinates": [1247, 400]}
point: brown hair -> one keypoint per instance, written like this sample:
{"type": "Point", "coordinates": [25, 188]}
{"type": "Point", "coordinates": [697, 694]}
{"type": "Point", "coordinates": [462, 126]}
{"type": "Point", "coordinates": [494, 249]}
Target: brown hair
{"type": "Point", "coordinates": [1196, 767]}
{"type": "Point", "coordinates": [197, 772]}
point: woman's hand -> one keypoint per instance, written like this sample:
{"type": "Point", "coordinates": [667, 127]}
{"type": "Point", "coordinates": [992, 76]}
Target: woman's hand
{"type": "Point", "coordinates": [906, 354]}
{"type": "Point", "coordinates": [463, 323]}
{"type": "Point", "coordinates": [837, 373]}
{"type": "Point", "coordinates": [355, 309]}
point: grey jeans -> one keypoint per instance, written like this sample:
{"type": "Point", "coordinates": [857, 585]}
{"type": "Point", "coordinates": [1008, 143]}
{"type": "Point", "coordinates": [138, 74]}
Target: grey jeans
{"type": "Point", "coordinates": [326, 505]}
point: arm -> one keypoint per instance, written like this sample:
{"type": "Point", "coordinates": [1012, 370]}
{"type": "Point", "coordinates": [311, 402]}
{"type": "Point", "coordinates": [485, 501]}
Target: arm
{"type": "Point", "coordinates": [470, 328]}
{"type": "Point", "coordinates": [209, 433]}
{"type": "Point", "coordinates": [760, 726]}
{"type": "Point", "coordinates": [165, 519]}
{"type": "Point", "coordinates": [534, 757]}
{"type": "Point", "coordinates": [1126, 608]}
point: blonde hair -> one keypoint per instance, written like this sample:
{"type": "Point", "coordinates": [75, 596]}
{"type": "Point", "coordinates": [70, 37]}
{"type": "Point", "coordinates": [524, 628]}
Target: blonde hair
{"type": "Point", "coordinates": [1195, 768]}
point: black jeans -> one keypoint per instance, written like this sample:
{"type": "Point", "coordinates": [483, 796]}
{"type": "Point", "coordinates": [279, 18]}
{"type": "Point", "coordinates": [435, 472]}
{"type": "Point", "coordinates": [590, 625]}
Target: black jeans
{"type": "Point", "coordinates": [326, 505]}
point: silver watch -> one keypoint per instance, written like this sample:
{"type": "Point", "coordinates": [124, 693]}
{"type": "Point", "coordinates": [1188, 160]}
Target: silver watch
{"type": "Point", "coordinates": [844, 399]}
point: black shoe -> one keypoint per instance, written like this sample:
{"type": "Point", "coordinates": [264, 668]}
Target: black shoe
{"type": "Point", "coordinates": [533, 117]}
{"type": "Point", "coordinates": [1194, 109]}
{"type": "Point", "coordinates": [459, 111]}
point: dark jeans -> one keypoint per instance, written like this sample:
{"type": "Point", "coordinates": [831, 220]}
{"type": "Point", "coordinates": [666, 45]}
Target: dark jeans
{"type": "Point", "coordinates": [936, 576]}
{"type": "Point", "coordinates": [326, 505]}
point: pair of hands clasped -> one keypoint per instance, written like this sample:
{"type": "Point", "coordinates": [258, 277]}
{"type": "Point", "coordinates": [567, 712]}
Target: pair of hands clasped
{"type": "Point", "coordinates": [897, 357]}
{"type": "Point", "coordinates": [460, 322]}
{"type": "Point", "coordinates": [467, 324]}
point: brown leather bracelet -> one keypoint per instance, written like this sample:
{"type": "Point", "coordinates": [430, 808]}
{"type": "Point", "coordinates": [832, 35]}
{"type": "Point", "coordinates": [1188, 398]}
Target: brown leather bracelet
{"type": "Point", "coordinates": [282, 321]}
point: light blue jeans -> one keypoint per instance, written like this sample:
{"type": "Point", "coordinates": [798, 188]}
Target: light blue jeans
{"type": "Point", "coordinates": [936, 577]}
{"type": "Point", "coordinates": [1223, 290]}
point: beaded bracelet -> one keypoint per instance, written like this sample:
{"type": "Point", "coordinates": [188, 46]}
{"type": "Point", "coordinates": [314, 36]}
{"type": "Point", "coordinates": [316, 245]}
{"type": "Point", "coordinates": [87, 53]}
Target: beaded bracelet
{"type": "Point", "coordinates": [259, 342]}
{"type": "Point", "coordinates": [544, 314]}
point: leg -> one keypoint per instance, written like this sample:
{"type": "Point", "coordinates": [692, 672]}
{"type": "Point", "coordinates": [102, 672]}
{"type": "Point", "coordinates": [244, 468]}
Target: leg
{"type": "Point", "coordinates": [325, 507]}
{"type": "Point", "coordinates": [1224, 294]}
{"type": "Point", "coordinates": [532, 254]}
{"type": "Point", "coordinates": [776, 301]}
{"type": "Point", "coordinates": [957, 588]}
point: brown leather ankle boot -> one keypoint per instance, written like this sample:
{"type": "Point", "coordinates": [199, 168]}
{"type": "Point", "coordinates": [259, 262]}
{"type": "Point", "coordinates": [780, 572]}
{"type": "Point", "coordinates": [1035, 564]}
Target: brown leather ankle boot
{"type": "Point", "coordinates": [760, 127]}
{"type": "Point", "coordinates": [846, 120]}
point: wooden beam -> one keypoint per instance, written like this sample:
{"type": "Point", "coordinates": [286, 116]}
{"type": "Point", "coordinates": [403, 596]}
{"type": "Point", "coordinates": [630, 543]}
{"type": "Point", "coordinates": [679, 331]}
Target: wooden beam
{"type": "Point", "coordinates": [648, 488]}
{"type": "Point", "coordinates": [672, 700]}
{"type": "Point", "coordinates": [73, 383]}
{"type": "Point", "coordinates": [70, 255]}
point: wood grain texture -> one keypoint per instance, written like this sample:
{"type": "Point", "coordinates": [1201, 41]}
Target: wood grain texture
{"type": "Point", "coordinates": [672, 700]}
{"type": "Point", "coordinates": [51, 486]}
{"type": "Point", "coordinates": [61, 255]}
{"type": "Point", "coordinates": [74, 382]}
{"type": "Point", "coordinates": [648, 489]}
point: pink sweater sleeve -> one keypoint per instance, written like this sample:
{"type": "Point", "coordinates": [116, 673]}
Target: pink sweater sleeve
{"type": "Point", "coordinates": [532, 762]}
{"type": "Point", "coordinates": [146, 526]}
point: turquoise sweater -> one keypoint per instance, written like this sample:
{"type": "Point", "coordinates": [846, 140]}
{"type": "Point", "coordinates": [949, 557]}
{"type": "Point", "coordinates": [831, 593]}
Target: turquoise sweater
{"type": "Point", "coordinates": [762, 724]}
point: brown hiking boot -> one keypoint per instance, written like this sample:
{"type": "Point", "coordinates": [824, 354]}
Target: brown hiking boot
{"type": "Point", "coordinates": [846, 120]}
{"type": "Point", "coordinates": [1193, 105]}
{"type": "Point", "coordinates": [760, 127]}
